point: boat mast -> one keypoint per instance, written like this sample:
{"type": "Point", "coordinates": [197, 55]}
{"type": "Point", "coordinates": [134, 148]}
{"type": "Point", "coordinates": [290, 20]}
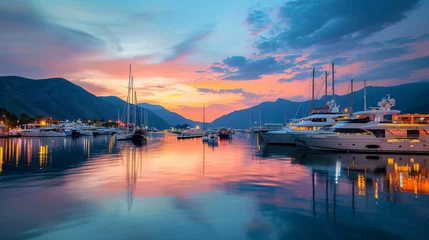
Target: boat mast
{"type": "Point", "coordinates": [333, 82]}
{"type": "Point", "coordinates": [147, 118]}
{"type": "Point", "coordinates": [326, 86]}
{"type": "Point", "coordinates": [128, 101]}
{"type": "Point", "coordinates": [312, 92]}
{"type": "Point", "coordinates": [204, 118]}
{"type": "Point", "coordinates": [117, 123]}
{"type": "Point", "coordinates": [353, 99]}
{"type": "Point", "coordinates": [135, 107]}
{"type": "Point", "coordinates": [141, 117]}
{"type": "Point", "coordinates": [364, 94]}
{"type": "Point", "coordinates": [260, 117]}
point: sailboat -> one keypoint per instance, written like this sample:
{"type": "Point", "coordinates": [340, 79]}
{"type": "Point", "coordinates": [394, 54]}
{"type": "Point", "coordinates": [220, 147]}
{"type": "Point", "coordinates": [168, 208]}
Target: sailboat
{"type": "Point", "coordinates": [211, 137]}
{"type": "Point", "coordinates": [131, 132]}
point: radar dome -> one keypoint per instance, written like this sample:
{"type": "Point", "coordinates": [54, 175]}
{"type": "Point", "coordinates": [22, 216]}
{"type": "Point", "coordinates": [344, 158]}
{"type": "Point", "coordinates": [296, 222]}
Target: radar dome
{"type": "Point", "coordinates": [392, 101]}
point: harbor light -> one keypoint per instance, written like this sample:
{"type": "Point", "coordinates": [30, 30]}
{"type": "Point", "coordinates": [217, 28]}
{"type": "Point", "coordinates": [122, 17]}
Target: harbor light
{"type": "Point", "coordinates": [198, 127]}
{"type": "Point", "coordinates": [43, 123]}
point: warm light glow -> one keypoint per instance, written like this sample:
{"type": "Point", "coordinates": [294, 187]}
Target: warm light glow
{"type": "Point", "coordinates": [43, 123]}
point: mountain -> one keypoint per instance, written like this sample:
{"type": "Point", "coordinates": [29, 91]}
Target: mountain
{"type": "Point", "coordinates": [60, 99]}
{"type": "Point", "coordinates": [171, 118]}
{"type": "Point", "coordinates": [410, 98]}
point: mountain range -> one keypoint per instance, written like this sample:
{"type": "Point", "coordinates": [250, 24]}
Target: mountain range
{"type": "Point", "coordinates": [61, 99]}
{"type": "Point", "coordinates": [410, 98]}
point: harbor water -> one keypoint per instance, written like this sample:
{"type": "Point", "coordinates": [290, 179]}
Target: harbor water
{"type": "Point", "coordinates": [97, 188]}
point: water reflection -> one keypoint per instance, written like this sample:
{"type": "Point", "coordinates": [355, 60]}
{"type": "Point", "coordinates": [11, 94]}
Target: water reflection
{"type": "Point", "coordinates": [380, 172]}
{"type": "Point", "coordinates": [239, 189]}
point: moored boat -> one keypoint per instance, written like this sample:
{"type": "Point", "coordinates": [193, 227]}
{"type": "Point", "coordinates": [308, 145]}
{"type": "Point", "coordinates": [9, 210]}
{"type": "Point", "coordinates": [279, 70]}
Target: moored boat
{"type": "Point", "coordinates": [380, 129]}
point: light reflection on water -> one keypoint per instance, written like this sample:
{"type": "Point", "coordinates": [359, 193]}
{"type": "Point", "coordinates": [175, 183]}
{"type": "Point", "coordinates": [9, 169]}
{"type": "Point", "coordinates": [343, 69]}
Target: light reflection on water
{"type": "Point", "coordinates": [56, 188]}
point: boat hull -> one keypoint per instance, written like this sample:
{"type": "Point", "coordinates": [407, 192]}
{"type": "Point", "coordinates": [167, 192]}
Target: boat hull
{"type": "Point", "coordinates": [277, 137]}
{"type": "Point", "coordinates": [42, 134]}
{"type": "Point", "coordinates": [375, 145]}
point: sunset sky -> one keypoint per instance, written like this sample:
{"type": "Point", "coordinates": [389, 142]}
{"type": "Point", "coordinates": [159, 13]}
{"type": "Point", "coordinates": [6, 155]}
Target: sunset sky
{"type": "Point", "coordinates": [224, 54]}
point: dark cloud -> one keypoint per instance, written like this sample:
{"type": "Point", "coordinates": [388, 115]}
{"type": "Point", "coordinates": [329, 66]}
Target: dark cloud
{"type": "Point", "coordinates": [219, 69]}
{"type": "Point", "coordinates": [235, 61]}
{"type": "Point", "coordinates": [381, 54]}
{"type": "Point", "coordinates": [186, 47]}
{"type": "Point", "coordinates": [400, 69]}
{"type": "Point", "coordinates": [247, 69]}
{"type": "Point", "coordinates": [311, 22]}
{"type": "Point", "coordinates": [407, 40]}
{"type": "Point", "coordinates": [258, 21]}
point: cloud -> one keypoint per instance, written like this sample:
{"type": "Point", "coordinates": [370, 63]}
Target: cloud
{"type": "Point", "coordinates": [246, 95]}
{"type": "Point", "coordinates": [185, 47]}
{"type": "Point", "coordinates": [30, 44]}
{"type": "Point", "coordinates": [400, 69]}
{"type": "Point", "coordinates": [258, 21]}
{"type": "Point", "coordinates": [242, 68]}
{"type": "Point", "coordinates": [381, 54]}
{"type": "Point", "coordinates": [326, 22]}
{"type": "Point", "coordinates": [302, 74]}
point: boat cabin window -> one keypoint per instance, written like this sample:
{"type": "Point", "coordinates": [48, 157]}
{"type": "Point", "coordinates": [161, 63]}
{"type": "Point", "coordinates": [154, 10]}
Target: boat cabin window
{"type": "Point", "coordinates": [326, 128]}
{"type": "Point", "coordinates": [412, 133]}
{"type": "Point", "coordinates": [318, 119]}
{"type": "Point", "coordinates": [349, 130]}
{"type": "Point", "coordinates": [378, 133]}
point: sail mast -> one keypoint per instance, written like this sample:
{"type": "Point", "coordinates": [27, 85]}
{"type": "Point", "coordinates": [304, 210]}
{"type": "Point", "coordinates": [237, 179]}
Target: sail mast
{"type": "Point", "coordinates": [353, 99]}
{"type": "Point", "coordinates": [364, 94]}
{"type": "Point", "coordinates": [326, 86]}
{"type": "Point", "coordinates": [312, 92]}
{"type": "Point", "coordinates": [135, 106]}
{"type": "Point", "coordinates": [204, 118]}
{"type": "Point", "coordinates": [128, 101]}
{"type": "Point", "coordinates": [333, 82]}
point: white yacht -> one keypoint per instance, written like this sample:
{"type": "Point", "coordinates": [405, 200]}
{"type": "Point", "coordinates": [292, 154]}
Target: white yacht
{"type": "Point", "coordinates": [380, 129]}
{"type": "Point", "coordinates": [37, 130]}
{"type": "Point", "coordinates": [317, 120]}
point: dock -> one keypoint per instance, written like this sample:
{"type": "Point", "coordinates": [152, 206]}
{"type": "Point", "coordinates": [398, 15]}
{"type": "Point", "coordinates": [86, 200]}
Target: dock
{"type": "Point", "coordinates": [190, 136]}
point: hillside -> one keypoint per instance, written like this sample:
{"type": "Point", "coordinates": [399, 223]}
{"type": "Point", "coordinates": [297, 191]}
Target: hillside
{"type": "Point", "coordinates": [60, 99]}
{"type": "Point", "coordinates": [410, 98]}
{"type": "Point", "coordinates": [171, 118]}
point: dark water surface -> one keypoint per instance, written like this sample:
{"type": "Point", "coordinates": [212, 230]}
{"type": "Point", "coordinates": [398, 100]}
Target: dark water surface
{"type": "Point", "coordinates": [95, 188]}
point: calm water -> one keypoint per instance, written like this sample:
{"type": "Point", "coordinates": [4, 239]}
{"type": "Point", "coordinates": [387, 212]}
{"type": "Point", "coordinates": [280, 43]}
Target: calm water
{"type": "Point", "coordinates": [95, 188]}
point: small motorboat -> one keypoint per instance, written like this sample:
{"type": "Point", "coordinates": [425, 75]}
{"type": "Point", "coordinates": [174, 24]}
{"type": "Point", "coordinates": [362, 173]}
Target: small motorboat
{"type": "Point", "coordinates": [139, 135]}
{"type": "Point", "coordinates": [212, 137]}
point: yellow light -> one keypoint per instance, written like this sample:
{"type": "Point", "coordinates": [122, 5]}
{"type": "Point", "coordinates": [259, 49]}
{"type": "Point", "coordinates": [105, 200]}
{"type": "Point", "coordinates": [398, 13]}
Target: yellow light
{"type": "Point", "coordinates": [346, 110]}
{"type": "Point", "coordinates": [89, 121]}
{"type": "Point", "coordinates": [198, 127]}
{"type": "Point", "coordinates": [43, 123]}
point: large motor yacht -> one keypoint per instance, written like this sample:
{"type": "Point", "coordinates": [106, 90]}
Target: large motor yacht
{"type": "Point", "coordinates": [37, 130]}
{"type": "Point", "coordinates": [380, 129]}
{"type": "Point", "coordinates": [317, 120]}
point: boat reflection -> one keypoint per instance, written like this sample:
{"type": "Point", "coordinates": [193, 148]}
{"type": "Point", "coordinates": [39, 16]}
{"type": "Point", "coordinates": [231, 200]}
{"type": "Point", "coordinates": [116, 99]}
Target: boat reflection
{"type": "Point", "coordinates": [35, 154]}
{"type": "Point", "coordinates": [379, 172]}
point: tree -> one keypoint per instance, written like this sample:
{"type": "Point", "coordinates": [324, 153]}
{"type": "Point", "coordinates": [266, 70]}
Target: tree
{"type": "Point", "coordinates": [24, 117]}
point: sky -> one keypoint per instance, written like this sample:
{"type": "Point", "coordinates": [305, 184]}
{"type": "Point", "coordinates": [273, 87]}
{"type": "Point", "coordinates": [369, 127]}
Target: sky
{"type": "Point", "coordinates": [226, 55]}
